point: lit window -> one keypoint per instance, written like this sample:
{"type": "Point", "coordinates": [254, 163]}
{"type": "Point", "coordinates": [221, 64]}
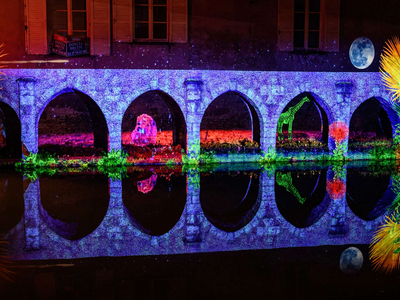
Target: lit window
{"type": "Point", "coordinates": [306, 24]}
{"type": "Point", "coordinates": [151, 20]}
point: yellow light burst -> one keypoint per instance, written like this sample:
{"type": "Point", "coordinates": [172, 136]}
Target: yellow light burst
{"type": "Point", "coordinates": [384, 244]}
{"type": "Point", "coordinates": [390, 67]}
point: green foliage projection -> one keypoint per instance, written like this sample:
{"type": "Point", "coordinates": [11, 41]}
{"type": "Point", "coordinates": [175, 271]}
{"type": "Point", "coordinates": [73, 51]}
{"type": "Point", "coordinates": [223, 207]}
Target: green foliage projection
{"type": "Point", "coordinates": [288, 117]}
{"type": "Point", "coordinates": [33, 175]}
{"type": "Point", "coordinates": [285, 180]}
{"type": "Point", "coordinates": [36, 160]}
{"type": "Point", "coordinates": [112, 159]}
{"type": "Point", "coordinates": [380, 153]}
{"type": "Point", "coordinates": [113, 164]}
{"type": "Point", "coordinates": [193, 178]}
{"type": "Point", "coordinates": [338, 170]}
{"type": "Point", "coordinates": [197, 156]}
{"type": "Point", "coordinates": [396, 138]}
{"type": "Point", "coordinates": [115, 173]}
{"type": "Point", "coordinates": [396, 190]}
{"type": "Point", "coordinates": [193, 151]}
{"type": "Point", "coordinates": [272, 156]}
{"type": "Point", "coordinates": [339, 152]}
{"type": "Point", "coordinates": [269, 169]}
{"type": "Point", "coordinates": [268, 157]}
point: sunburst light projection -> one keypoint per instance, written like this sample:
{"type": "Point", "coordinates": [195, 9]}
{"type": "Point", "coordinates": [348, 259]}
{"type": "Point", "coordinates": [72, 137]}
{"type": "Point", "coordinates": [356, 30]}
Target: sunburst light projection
{"type": "Point", "coordinates": [390, 67]}
{"type": "Point", "coordinates": [385, 248]}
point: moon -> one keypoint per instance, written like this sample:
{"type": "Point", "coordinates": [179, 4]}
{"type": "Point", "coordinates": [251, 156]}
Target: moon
{"type": "Point", "coordinates": [351, 260]}
{"type": "Point", "coordinates": [362, 53]}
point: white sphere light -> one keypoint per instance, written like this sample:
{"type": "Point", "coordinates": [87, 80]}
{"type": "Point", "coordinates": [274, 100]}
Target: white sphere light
{"type": "Point", "coordinates": [362, 53]}
{"type": "Point", "coordinates": [351, 260]}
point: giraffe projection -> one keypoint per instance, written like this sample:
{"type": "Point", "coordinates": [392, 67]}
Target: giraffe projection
{"type": "Point", "coordinates": [288, 118]}
{"type": "Point", "coordinates": [285, 180]}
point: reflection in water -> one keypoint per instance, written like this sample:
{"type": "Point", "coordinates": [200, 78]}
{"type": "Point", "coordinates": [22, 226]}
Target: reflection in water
{"type": "Point", "coordinates": [146, 185]}
{"type": "Point", "coordinates": [157, 210]}
{"type": "Point", "coordinates": [5, 264]}
{"type": "Point", "coordinates": [336, 188]}
{"type": "Point", "coordinates": [285, 180]}
{"type": "Point", "coordinates": [154, 200]}
{"type": "Point", "coordinates": [11, 212]}
{"type": "Point", "coordinates": [74, 206]}
{"type": "Point", "coordinates": [11, 200]}
{"type": "Point", "coordinates": [367, 194]}
{"type": "Point", "coordinates": [125, 261]}
{"type": "Point", "coordinates": [311, 184]}
{"type": "Point", "coordinates": [230, 200]}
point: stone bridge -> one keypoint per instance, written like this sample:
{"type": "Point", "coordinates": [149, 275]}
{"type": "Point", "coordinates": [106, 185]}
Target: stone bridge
{"type": "Point", "coordinates": [188, 93]}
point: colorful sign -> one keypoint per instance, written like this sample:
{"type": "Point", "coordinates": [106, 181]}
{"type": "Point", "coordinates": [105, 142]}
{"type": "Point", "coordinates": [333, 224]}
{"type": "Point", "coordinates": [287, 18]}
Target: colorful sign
{"type": "Point", "coordinates": [69, 47]}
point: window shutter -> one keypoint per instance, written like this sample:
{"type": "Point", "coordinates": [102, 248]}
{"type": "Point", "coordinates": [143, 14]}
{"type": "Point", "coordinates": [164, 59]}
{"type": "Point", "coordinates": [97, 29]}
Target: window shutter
{"type": "Point", "coordinates": [35, 27]}
{"type": "Point", "coordinates": [331, 26]}
{"type": "Point", "coordinates": [100, 27]}
{"type": "Point", "coordinates": [285, 25]}
{"type": "Point", "coordinates": [122, 20]}
{"type": "Point", "coordinates": [179, 21]}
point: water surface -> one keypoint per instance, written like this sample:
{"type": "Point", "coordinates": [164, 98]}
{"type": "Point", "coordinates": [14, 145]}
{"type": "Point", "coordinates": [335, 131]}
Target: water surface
{"type": "Point", "coordinates": [227, 231]}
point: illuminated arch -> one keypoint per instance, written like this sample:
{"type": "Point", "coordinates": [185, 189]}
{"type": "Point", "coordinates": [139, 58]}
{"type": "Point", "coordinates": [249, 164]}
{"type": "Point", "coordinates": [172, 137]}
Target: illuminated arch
{"type": "Point", "coordinates": [178, 119]}
{"type": "Point", "coordinates": [326, 116]}
{"type": "Point", "coordinates": [254, 113]}
{"type": "Point", "coordinates": [100, 128]}
{"type": "Point", "coordinates": [387, 108]}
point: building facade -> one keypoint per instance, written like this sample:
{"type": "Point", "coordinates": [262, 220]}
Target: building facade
{"type": "Point", "coordinates": [268, 52]}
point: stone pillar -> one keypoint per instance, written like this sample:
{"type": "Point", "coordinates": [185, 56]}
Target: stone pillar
{"type": "Point", "coordinates": [114, 118]}
{"type": "Point", "coordinates": [115, 133]}
{"type": "Point", "coordinates": [27, 113]}
{"type": "Point", "coordinates": [274, 92]}
{"type": "Point", "coordinates": [193, 212]}
{"type": "Point", "coordinates": [193, 117]}
{"type": "Point", "coordinates": [338, 204]}
{"type": "Point", "coordinates": [341, 110]}
{"type": "Point", "coordinates": [269, 228]}
{"type": "Point", "coordinates": [32, 217]}
{"type": "Point", "coordinates": [115, 217]}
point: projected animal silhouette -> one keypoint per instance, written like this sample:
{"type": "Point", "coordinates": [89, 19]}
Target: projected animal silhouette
{"type": "Point", "coordinates": [288, 117]}
{"type": "Point", "coordinates": [285, 180]}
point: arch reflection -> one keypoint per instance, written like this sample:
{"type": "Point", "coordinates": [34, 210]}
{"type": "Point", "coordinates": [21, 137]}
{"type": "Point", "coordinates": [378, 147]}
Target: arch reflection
{"type": "Point", "coordinates": [229, 200]}
{"type": "Point", "coordinates": [74, 206]}
{"type": "Point", "coordinates": [154, 202]}
{"type": "Point", "coordinates": [368, 193]}
{"type": "Point", "coordinates": [300, 196]}
{"type": "Point", "coordinates": [11, 200]}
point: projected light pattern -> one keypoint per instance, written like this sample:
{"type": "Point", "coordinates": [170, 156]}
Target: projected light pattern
{"type": "Point", "coordinates": [28, 91]}
{"type": "Point", "coordinates": [288, 117]}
